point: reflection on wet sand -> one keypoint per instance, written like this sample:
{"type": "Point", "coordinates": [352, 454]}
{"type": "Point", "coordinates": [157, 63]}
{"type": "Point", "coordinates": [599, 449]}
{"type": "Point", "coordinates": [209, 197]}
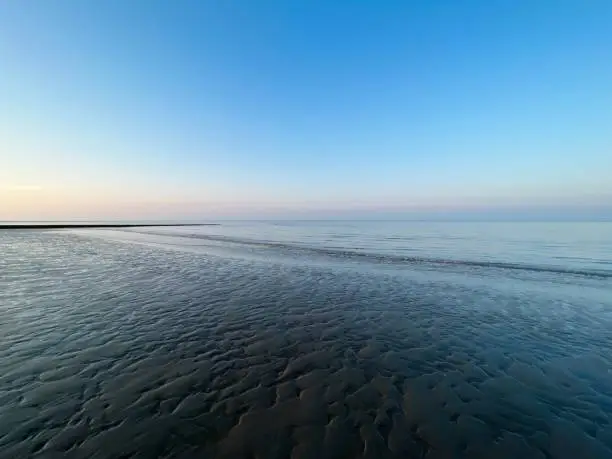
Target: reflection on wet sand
{"type": "Point", "coordinates": [132, 351]}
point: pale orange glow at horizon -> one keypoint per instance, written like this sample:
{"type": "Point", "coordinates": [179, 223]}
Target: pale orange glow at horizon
{"type": "Point", "coordinates": [35, 202]}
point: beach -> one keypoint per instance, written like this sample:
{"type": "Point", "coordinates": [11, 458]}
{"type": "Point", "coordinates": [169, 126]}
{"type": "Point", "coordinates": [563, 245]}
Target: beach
{"type": "Point", "coordinates": [178, 343]}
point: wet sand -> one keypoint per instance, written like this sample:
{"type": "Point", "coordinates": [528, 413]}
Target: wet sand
{"type": "Point", "coordinates": [132, 352]}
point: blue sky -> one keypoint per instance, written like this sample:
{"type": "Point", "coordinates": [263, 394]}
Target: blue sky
{"type": "Point", "coordinates": [155, 109]}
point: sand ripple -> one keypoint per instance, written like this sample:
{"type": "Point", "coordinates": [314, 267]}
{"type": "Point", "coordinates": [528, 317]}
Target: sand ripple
{"type": "Point", "coordinates": [111, 350]}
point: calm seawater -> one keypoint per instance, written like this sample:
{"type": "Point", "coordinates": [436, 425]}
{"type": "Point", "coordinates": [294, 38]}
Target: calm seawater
{"type": "Point", "coordinates": [308, 339]}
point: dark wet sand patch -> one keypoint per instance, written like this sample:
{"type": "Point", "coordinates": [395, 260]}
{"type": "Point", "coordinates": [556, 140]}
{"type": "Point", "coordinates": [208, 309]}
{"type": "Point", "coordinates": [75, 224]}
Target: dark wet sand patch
{"type": "Point", "coordinates": [250, 362]}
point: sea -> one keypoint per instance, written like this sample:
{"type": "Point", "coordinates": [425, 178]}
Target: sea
{"type": "Point", "coordinates": [308, 339]}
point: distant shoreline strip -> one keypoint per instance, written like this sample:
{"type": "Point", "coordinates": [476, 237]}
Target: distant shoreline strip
{"type": "Point", "coordinates": [98, 225]}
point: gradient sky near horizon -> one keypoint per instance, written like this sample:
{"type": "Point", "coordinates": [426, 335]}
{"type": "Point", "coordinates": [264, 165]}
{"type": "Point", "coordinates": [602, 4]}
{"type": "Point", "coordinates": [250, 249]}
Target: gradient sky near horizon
{"type": "Point", "coordinates": [188, 109]}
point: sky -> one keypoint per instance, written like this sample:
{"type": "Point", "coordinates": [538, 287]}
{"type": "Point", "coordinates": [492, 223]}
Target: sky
{"type": "Point", "coordinates": [151, 109]}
